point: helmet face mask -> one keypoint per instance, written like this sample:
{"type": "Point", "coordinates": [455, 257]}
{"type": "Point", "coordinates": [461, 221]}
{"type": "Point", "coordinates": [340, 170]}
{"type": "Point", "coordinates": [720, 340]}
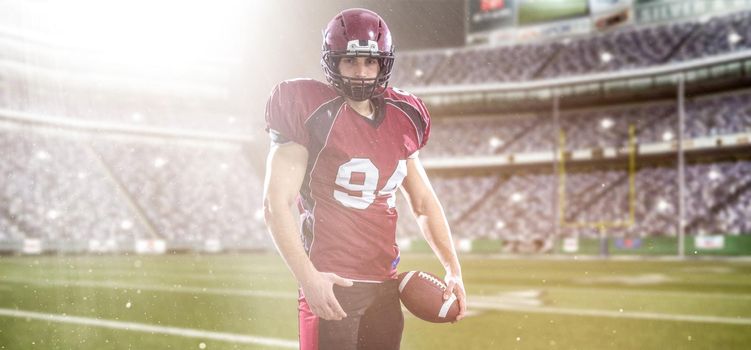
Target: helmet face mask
{"type": "Point", "coordinates": [357, 33]}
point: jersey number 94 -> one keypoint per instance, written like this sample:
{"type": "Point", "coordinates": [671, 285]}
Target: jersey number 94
{"type": "Point", "coordinates": [367, 189]}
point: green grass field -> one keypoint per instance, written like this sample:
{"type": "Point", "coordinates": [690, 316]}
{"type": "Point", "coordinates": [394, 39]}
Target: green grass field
{"type": "Point", "coordinates": [248, 302]}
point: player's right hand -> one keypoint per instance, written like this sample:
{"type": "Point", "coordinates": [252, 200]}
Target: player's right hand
{"type": "Point", "coordinates": [319, 294]}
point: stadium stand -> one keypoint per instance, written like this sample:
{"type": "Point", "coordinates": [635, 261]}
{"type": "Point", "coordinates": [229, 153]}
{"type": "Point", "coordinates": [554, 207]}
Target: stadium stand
{"type": "Point", "coordinates": [716, 36]}
{"type": "Point", "coordinates": [727, 113]}
{"type": "Point", "coordinates": [64, 184]}
{"type": "Point", "coordinates": [99, 150]}
{"type": "Point", "coordinates": [618, 50]}
{"type": "Point", "coordinates": [190, 193]}
{"type": "Point", "coordinates": [720, 198]}
{"type": "Point", "coordinates": [518, 205]}
{"type": "Point", "coordinates": [122, 108]}
{"type": "Point", "coordinates": [58, 189]}
{"type": "Point", "coordinates": [717, 202]}
{"type": "Point", "coordinates": [53, 189]}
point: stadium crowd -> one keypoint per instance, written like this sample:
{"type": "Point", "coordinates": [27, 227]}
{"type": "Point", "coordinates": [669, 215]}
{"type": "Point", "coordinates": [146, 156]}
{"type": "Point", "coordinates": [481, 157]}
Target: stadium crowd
{"type": "Point", "coordinates": [59, 187]}
{"type": "Point", "coordinates": [618, 50]}
{"type": "Point", "coordinates": [176, 112]}
{"type": "Point", "coordinates": [53, 188]}
{"type": "Point", "coordinates": [64, 187]}
{"type": "Point", "coordinates": [519, 205]}
{"type": "Point", "coordinates": [591, 128]}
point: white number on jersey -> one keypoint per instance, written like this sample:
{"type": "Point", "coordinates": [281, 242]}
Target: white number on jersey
{"type": "Point", "coordinates": [368, 187]}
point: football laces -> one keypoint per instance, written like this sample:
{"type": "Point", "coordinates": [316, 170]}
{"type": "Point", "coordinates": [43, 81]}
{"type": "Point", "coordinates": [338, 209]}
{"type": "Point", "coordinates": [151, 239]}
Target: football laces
{"type": "Point", "coordinates": [433, 280]}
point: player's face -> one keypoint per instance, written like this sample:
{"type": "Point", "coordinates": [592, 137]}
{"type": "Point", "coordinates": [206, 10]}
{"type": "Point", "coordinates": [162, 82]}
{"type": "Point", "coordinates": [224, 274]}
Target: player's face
{"type": "Point", "coordinates": [359, 67]}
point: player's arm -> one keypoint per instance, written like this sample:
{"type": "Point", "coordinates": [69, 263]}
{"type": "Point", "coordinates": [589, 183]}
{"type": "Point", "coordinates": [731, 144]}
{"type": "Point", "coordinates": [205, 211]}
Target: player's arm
{"type": "Point", "coordinates": [285, 171]}
{"type": "Point", "coordinates": [434, 227]}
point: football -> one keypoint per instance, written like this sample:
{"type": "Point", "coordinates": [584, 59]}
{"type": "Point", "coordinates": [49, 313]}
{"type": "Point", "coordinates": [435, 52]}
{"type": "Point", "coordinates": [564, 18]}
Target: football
{"type": "Point", "coordinates": [422, 294]}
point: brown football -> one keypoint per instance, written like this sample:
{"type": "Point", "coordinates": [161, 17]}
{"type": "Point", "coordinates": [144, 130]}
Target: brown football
{"type": "Point", "coordinates": [422, 294]}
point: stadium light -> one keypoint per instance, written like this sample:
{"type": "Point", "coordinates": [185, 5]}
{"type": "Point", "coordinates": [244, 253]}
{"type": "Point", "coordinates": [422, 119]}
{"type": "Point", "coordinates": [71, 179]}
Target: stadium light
{"type": "Point", "coordinates": [663, 205]}
{"type": "Point", "coordinates": [126, 225]}
{"type": "Point", "coordinates": [52, 214]}
{"type": "Point", "coordinates": [667, 136]}
{"type": "Point", "coordinates": [495, 142]}
{"type": "Point", "coordinates": [43, 155]}
{"type": "Point", "coordinates": [606, 123]}
{"type": "Point", "coordinates": [499, 224]}
{"type": "Point", "coordinates": [734, 38]}
{"type": "Point", "coordinates": [517, 197]}
{"type": "Point", "coordinates": [159, 162]}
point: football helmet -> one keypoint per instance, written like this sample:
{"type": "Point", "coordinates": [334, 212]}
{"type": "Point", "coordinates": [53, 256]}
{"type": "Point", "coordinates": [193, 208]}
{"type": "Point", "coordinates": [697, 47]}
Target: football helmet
{"type": "Point", "coordinates": [357, 33]}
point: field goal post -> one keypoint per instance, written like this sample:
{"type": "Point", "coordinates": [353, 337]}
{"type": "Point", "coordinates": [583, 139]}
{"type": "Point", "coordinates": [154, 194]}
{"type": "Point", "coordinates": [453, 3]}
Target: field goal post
{"type": "Point", "coordinates": [601, 226]}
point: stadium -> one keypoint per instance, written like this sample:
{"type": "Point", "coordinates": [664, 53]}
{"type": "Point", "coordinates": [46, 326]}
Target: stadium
{"type": "Point", "coordinates": [592, 158]}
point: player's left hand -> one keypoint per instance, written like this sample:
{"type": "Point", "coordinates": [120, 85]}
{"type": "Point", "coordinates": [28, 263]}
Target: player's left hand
{"type": "Point", "coordinates": [454, 284]}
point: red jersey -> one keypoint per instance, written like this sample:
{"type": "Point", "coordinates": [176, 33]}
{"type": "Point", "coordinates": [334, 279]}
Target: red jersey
{"type": "Point", "coordinates": [355, 165]}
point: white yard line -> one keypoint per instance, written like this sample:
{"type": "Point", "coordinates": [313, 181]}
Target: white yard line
{"type": "Point", "coordinates": [611, 314]}
{"type": "Point", "coordinates": [495, 303]}
{"type": "Point", "coordinates": [618, 258]}
{"type": "Point", "coordinates": [174, 273]}
{"type": "Point", "coordinates": [86, 264]}
{"type": "Point", "coordinates": [203, 276]}
{"type": "Point", "coordinates": [619, 291]}
{"type": "Point", "coordinates": [153, 329]}
{"type": "Point", "coordinates": [177, 288]}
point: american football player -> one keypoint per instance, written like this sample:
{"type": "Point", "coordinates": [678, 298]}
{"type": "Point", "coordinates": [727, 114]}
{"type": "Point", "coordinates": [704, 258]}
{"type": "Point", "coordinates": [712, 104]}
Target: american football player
{"type": "Point", "coordinates": [340, 150]}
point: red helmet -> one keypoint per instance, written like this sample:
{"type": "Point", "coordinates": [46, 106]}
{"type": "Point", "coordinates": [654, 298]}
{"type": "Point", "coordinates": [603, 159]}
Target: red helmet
{"type": "Point", "coordinates": [357, 32]}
